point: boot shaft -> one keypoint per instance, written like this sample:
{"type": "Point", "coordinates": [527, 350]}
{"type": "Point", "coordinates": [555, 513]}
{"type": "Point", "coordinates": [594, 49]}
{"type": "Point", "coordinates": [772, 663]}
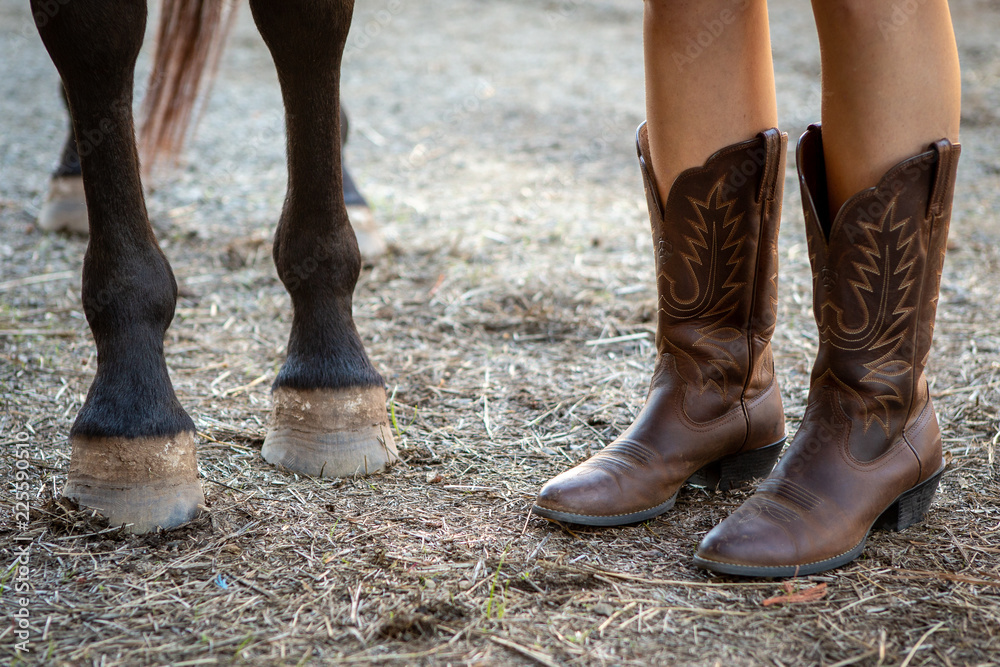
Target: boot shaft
{"type": "Point", "coordinates": [876, 275]}
{"type": "Point", "coordinates": [715, 243]}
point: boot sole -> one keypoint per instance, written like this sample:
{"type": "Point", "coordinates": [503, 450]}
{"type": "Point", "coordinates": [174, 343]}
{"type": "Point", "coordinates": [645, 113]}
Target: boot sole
{"type": "Point", "coordinates": [906, 510]}
{"type": "Point", "coordinates": [725, 474]}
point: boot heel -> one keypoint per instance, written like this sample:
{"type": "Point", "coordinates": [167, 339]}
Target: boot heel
{"type": "Point", "coordinates": [910, 507]}
{"type": "Point", "coordinates": [731, 471]}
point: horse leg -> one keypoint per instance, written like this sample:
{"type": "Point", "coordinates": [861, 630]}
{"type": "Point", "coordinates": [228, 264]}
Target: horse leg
{"type": "Point", "coordinates": [371, 243]}
{"type": "Point", "coordinates": [64, 208]}
{"type": "Point", "coordinates": [133, 452]}
{"type": "Point", "coordinates": [329, 402]}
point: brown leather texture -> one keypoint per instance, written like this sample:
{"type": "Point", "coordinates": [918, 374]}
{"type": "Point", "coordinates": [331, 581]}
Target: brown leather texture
{"type": "Point", "coordinates": [869, 433]}
{"type": "Point", "coordinates": [713, 392]}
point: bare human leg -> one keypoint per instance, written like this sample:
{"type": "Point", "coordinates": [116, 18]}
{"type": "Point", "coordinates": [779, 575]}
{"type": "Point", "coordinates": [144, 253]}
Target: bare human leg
{"type": "Point", "coordinates": [891, 85]}
{"type": "Point", "coordinates": [709, 80]}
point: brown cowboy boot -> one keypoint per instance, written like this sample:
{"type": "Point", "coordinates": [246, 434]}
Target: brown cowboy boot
{"type": "Point", "coordinates": [713, 415]}
{"type": "Point", "coordinates": [868, 452]}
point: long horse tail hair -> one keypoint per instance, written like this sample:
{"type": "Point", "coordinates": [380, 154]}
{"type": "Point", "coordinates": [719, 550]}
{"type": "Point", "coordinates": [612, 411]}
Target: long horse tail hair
{"type": "Point", "coordinates": [189, 41]}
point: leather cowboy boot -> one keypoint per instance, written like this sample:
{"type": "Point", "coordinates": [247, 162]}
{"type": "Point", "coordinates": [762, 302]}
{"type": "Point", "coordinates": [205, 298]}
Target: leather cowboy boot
{"type": "Point", "coordinates": [868, 452]}
{"type": "Point", "coordinates": [713, 415]}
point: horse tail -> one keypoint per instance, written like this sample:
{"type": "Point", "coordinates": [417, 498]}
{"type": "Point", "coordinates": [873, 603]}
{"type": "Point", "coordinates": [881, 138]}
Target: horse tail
{"type": "Point", "coordinates": [189, 41]}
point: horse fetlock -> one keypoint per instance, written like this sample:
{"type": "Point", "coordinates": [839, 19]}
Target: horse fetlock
{"type": "Point", "coordinates": [136, 293]}
{"type": "Point", "coordinates": [329, 262]}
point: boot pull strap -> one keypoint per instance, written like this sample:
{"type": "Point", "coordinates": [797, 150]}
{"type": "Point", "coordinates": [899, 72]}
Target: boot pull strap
{"type": "Point", "coordinates": [772, 159]}
{"type": "Point", "coordinates": [947, 154]}
{"type": "Point", "coordinates": [642, 141]}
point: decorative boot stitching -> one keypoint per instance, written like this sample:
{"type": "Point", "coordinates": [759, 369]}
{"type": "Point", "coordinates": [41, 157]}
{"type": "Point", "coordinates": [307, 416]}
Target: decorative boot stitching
{"type": "Point", "coordinates": [758, 506]}
{"type": "Point", "coordinates": [710, 242]}
{"type": "Point", "coordinates": [791, 491]}
{"type": "Point", "coordinates": [623, 456]}
{"type": "Point", "coordinates": [885, 273]}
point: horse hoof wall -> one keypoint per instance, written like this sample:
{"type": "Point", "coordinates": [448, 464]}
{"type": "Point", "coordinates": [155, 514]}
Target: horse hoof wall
{"type": "Point", "coordinates": [371, 243]}
{"type": "Point", "coordinates": [65, 207]}
{"type": "Point", "coordinates": [330, 432]}
{"type": "Point", "coordinates": [143, 484]}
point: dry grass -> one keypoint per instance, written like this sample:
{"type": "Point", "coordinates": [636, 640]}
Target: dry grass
{"type": "Point", "coordinates": [509, 269]}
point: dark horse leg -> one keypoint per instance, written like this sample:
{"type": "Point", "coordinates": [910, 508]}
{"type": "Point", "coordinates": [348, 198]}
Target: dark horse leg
{"type": "Point", "coordinates": [133, 452]}
{"type": "Point", "coordinates": [64, 208]}
{"type": "Point", "coordinates": [329, 402]}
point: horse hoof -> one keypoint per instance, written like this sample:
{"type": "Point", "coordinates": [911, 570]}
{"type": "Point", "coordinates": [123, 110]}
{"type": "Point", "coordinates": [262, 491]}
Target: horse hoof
{"type": "Point", "coordinates": [141, 483]}
{"type": "Point", "coordinates": [65, 207]}
{"type": "Point", "coordinates": [371, 243]}
{"type": "Point", "coordinates": [330, 432]}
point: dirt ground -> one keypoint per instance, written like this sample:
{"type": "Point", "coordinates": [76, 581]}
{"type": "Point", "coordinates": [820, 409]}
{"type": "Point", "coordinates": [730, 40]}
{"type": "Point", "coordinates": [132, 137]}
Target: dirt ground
{"type": "Point", "coordinates": [495, 142]}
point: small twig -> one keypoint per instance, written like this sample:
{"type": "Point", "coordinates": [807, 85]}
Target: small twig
{"type": "Point", "coordinates": [526, 519]}
{"type": "Point", "coordinates": [947, 576]}
{"type": "Point", "coordinates": [100, 532]}
{"type": "Point", "coordinates": [617, 339]}
{"type": "Point", "coordinates": [855, 659]}
{"type": "Point", "coordinates": [486, 404]}
{"type": "Point", "coordinates": [10, 333]}
{"type": "Point", "coordinates": [537, 656]}
{"type": "Point", "coordinates": [35, 280]}
{"type": "Point", "coordinates": [961, 548]}
{"type": "Point", "coordinates": [437, 286]}
{"type": "Point", "coordinates": [233, 488]}
{"type": "Point", "coordinates": [249, 385]}
{"type": "Point", "coordinates": [792, 596]}
{"type": "Point", "coordinates": [268, 594]}
{"type": "Point", "coordinates": [543, 415]}
{"type": "Point", "coordinates": [645, 580]}
{"type": "Point", "coordinates": [355, 603]}
{"type": "Point", "coordinates": [913, 651]}
{"type": "Point", "coordinates": [964, 389]}
{"type": "Point", "coordinates": [600, 628]}
{"type": "Point", "coordinates": [467, 487]}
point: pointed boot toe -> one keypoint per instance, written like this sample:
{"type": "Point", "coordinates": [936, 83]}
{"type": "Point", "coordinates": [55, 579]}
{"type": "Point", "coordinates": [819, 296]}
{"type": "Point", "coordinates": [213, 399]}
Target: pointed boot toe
{"type": "Point", "coordinates": [743, 543]}
{"type": "Point", "coordinates": [760, 539]}
{"type": "Point", "coordinates": [591, 496]}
